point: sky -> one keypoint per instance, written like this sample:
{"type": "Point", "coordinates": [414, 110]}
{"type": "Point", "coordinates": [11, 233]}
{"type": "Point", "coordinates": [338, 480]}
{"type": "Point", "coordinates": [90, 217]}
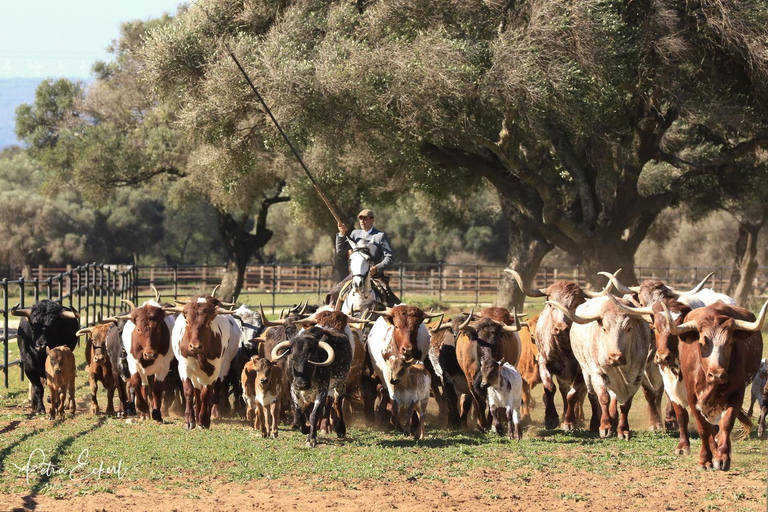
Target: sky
{"type": "Point", "coordinates": [63, 38]}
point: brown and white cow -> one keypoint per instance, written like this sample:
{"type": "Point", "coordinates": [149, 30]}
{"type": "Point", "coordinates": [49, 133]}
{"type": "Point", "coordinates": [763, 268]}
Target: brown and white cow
{"type": "Point", "coordinates": [719, 355]}
{"type": "Point", "coordinates": [556, 357]}
{"type": "Point", "coordinates": [60, 376]}
{"type": "Point", "coordinates": [482, 339]}
{"type": "Point", "coordinates": [99, 365]}
{"type": "Point", "coordinates": [147, 343]}
{"type": "Point", "coordinates": [205, 340]}
{"type": "Point", "coordinates": [399, 330]}
{"type": "Point", "coordinates": [612, 346]}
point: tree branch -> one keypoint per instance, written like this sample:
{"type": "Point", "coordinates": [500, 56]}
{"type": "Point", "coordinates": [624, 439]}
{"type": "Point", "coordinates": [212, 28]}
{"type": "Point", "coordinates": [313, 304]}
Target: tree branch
{"type": "Point", "coordinates": [570, 161]}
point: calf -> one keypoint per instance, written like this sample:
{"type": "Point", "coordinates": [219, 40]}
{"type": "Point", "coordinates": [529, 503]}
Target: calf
{"type": "Point", "coordinates": [760, 395]}
{"type": "Point", "coordinates": [99, 365]}
{"type": "Point", "coordinates": [261, 382]}
{"type": "Point", "coordinates": [45, 325]}
{"type": "Point", "coordinates": [411, 383]}
{"type": "Point", "coordinates": [719, 355]}
{"type": "Point", "coordinates": [60, 375]}
{"type": "Point", "coordinates": [320, 362]}
{"type": "Point", "coordinates": [251, 328]}
{"type": "Point", "coordinates": [505, 390]}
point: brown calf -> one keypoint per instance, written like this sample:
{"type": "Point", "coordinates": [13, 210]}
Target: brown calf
{"type": "Point", "coordinates": [528, 367]}
{"type": "Point", "coordinates": [262, 382]}
{"type": "Point", "coordinates": [60, 374]}
{"type": "Point", "coordinates": [99, 365]}
{"type": "Point", "coordinates": [719, 355]}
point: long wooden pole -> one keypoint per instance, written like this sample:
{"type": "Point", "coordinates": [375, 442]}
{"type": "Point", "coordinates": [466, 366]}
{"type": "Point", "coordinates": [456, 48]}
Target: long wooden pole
{"type": "Point", "coordinates": [287, 140]}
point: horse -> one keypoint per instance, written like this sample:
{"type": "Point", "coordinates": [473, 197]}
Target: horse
{"type": "Point", "coordinates": [361, 287]}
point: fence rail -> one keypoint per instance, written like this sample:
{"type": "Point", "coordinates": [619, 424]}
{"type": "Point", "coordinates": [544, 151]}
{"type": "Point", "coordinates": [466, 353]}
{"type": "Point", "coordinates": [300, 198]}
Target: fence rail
{"type": "Point", "coordinates": [96, 289]}
{"type": "Point", "coordinates": [93, 290]}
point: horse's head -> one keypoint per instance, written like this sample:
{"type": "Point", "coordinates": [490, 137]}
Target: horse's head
{"type": "Point", "coordinates": [360, 261]}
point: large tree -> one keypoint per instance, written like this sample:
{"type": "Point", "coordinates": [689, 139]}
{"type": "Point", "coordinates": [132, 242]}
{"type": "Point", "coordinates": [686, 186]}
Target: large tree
{"type": "Point", "coordinates": [578, 113]}
{"type": "Point", "coordinates": [115, 133]}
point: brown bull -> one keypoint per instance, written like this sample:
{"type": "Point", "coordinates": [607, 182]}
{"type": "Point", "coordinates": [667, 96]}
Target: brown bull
{"type": "Point", "coordinates": [719, 355]}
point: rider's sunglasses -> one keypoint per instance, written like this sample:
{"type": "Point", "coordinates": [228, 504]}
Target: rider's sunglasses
{"type": "Point", "coordinates": [363, 218]}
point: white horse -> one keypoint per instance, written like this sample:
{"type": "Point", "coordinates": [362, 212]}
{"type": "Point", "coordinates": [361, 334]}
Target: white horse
{"type": "Point", "coordinates": [361, 289]}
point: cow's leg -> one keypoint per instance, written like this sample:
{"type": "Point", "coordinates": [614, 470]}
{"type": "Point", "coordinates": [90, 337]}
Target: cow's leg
{"type": "Point", "coordinates": [125, 407]}
{"type": "Point", "coordinates": [479, 396]}
{"type": "Point", "coordinates": [54, 401]}
{"type": "Point", "coordinates": [383, 417]}
{"type": "Point", "coordinates": [763, 413]}
{"type": "Point", "coordinates": [451, 404]}
{"type": "Point", "coordinates": [572, 400]}
{"type": "Point", "coordinates": [705, 433]}
{"type": "Point", "coordinates": [496, 425]}
{"type": "Point", "coordinates": [551, 419]}
{"type": "Point", "coordinates": [72, 404]}
{"type": "Point", "coordinates": [653, 398]}
{"type": "Point", "coordinates": [217, 388]}
{"type": "Point", "coordinates": [157, 398]}
{"type": "Point", "coordinates": [434, 385]}
{"type": "Point", "coordinates": [722, 455]}
{"type": "Point", "coordinates": [141, 395]}
{"type": "Point", "coordinates": [681, 419]}
{"type": "Point", "coordinates": [111, 399]}
{"type": "Point", "coordinates": [62, 400]}
{"type": "Point", "coordinates": [94, 390]}
{"type": "Point", "coordinates": [527, 402]}
{"type": "Point", "coordinates": [272, 408]}
{"type": "Point", "coordinates": [671, 417]}
{"type": "Point", "coordinates": [606, 404]}
{"type": "Point", "coordinates": [622, 430]}
{"type": "Point", "coordinates": [369, 399]}
{"type": "Point", "coordinates": [465, 405]}
{"type": "Point", "coordinates": [37, 394]}
{"type": "Point", "coordinates": [261, 421]}
{"type": "Point", "coordinates": [339, 426]}
{"type": "Point", "coordinates": [418, 430]}
{"type": "Point", "coordinates": [594, 422]}
{"type": "Point", "coordinates": [751, 409]}
{"type": "Point", "coordinates": [396, 415]}
{"type": "Point", "coordinates": [206, 403]}
{"type": "Point", "coordinates": [314, 419]}
{"type": "Point", "coordinates": [189, 411]}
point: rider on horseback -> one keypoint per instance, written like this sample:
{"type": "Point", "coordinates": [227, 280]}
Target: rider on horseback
{"type": "Point", "coordinates": [376, 244]}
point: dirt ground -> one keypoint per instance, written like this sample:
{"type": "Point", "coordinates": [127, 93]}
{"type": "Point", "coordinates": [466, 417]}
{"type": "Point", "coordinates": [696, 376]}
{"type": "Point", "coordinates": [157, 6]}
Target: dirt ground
{"type": "Point", "coordinates": [489, 490]}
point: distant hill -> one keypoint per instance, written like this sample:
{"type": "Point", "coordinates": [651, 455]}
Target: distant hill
{"type": "Point", "coordinates": [14, 92]}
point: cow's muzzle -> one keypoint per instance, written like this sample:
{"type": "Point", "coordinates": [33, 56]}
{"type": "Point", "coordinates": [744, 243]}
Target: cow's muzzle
{"type": "Point", "coordinates": [664, 358]}
{"type": "Point", "coordinates": [717, 376]}
{"type": "Point", "coordinates": [264, 381]}
{"type": "Point", "coordinates": [195, 349]}
{"type": "Point", "coordinates": [149, 356]}
{"type": "Point", "coordinates": [394, 381]}
{"type": "Point", "coordinates": [617, 359]}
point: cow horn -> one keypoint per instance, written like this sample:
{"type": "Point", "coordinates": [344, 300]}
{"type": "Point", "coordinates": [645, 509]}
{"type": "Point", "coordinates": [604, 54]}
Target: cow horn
{"type": "Point", "coordinates": [439, 327]}
{"type": "Point", "coordinates": [276, 354]}
{"type": "Point", "coordinates": [84, 331]}
{"type": "Point", "coordinates": [213, 293]}
{"type": "Point", "coordinates": [173, 309]}
{"type": "Point", "coordinates": [573, 316]}
{"type": "Point", "coordinates": [516, 327]}
{"type": "Point", "coordinates": [592, 295]}
{"type": "Point", "coordinates": [465, 324]}
{"type": "Point", "coordinates": [266, 322]}
{"type": "Point", "coordinates": [695, 289]}
{"type": "Point", "coordinates": [387, 311]}
{"type": "Point", "coordinates": [678, 329]}
{"type": "Point", "coordinates": [430, 316]}
{"type": "Point", "coordinates": [157, 293]}
{"type": "Point", "coordinates": [535, 292]}
{"type": "Point", "coordinates": [743, 325]}
{"type": "Point", "coordinates": [356, 320]}
{"type": "Point", "coordinates": [331, 354]}
{"type": "Point", "coordinates": [129, 302]}
{"type": "Point", "coordinates": [21, 312]}
{"type": "Point", "coordinates": [620, 287]}
{"type": "Point", "coordinates": [69, 314]}
{"type": "Point", "coordinates": [221, 311]}
{"type": "Point", "coordinates": [638, 312]}
{"type": "Point", "coordinates": [304, 307]}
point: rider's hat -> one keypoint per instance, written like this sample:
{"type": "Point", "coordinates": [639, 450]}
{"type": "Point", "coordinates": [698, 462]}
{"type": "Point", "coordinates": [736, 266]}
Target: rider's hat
{"type": "Point", "coordinates": [365, 213]}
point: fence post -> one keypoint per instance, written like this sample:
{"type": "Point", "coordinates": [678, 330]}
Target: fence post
{"type": "Point", "coordinates": [402, 281]}
{"type": "Point", "coordinates": [274, 284]}
{"type": "Point", "coordinates": [77, 285]}
{"type": "Point", "coordinates": [36, 289]}
{"type": "Point", "coordinates": [319, 280]}
{"type": "Point", "coordinates": [5, 330]}
{"type": "Point", "coordinates": [477, 284]}
{"type": "Point", "coordinates": [175, 281]}
{"type": "Point", "coordinates": [22, 299]}
{"type": "Point", "coordinates": [49, 288]}
{"type": "Point", "coordinates": [440, 281]}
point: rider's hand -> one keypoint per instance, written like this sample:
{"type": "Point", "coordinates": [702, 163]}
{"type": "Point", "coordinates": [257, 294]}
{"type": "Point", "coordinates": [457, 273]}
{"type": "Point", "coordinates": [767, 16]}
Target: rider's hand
{"type": "Point", "coordinates": [342, 229]}
{"type": "Point", "coordinates": [374, 270]}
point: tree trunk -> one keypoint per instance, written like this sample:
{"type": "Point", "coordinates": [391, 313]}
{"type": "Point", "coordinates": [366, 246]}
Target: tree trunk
{"type": "Point", "coordinates": [739, 251]}
{"type": "Point", "coordinates": [605, 255]}
{"type": "Point", "coordinates": [242, 245]}
{"type": "Point", "coordinates": [526, 250]}
{"type": "Point", "coordinates": [339, 262]}
{"type": "Point", "coordinates": [748, 264]}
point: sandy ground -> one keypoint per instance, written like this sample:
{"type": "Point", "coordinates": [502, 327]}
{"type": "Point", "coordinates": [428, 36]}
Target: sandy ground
{"type": "Point", "coordinates": [485, 489]}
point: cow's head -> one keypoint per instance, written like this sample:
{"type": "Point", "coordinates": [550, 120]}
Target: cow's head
{"type": "Point", "coordinates": [57, 358]}
{"type": "Point", "coordinates": [488, 332]}
{"type": "Point", "coordinates": [666, 343]}
{"type": "Point", "coordinates": [617, 322]}
{"type": "Point", "coordinates": [407, 320]}
{"type": "Point", "coordinates": [401, 368]}
{"type": "Point", "coordinates": [266, 371]}
{"type": "Point", "coordinates": [98, 337]}
{"type": "Point", "coordinates": [151, 337]}
{"type": "Point", "coordinates": [308, 351]}
{"type": "Point", "coordinates": [763, 370]}
{"type": "Point", "coordinates": [489, 372]}
{"type": "Point", "coordinates": [49, 324]}
{"type": "Point", "coordinates": [251, 327]}
{"type": "Point", "coordinates": [653, 290]}
{"type": "Point", "coordinates": [716, 328]}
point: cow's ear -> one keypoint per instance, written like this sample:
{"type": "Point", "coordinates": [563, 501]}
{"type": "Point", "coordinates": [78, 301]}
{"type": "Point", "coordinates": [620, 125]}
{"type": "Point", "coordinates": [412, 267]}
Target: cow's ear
{"type": "Point", "coordinates": [388, 318]}
{"type": "Point", "coordinates": [47, 349]}
{"type": "Point", "coordinates": [742, 336]}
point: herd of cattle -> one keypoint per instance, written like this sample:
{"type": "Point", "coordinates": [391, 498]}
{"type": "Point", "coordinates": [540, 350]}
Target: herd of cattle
{"type": "Point", "coordinates": [315, 366]}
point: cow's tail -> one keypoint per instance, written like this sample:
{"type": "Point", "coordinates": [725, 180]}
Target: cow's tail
{"type": "Point", "coordinates": [745, 428]}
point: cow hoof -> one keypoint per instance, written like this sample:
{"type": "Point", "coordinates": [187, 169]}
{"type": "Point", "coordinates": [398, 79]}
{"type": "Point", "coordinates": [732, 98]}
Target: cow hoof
{"type": "Point", "coordinates": [191, 426]}
{"type": "Point", "coordinates": [551, 423]}
{"type": "Point", "coordinates": [721, 465]}
{"type": "Point", "coordinates": [567, 426]}
{"type": "Point", "coordinates": [311, 443]}
{"type": "Point", "coordinates": [605, 433]}
{"type": "Point", "coordinates": [274, 435]}
{"type": "Point", "coordinates": [760, 432]}
{"type": "Point", "coordinates": [655, 427]}
{"type": "Point", "coordinates": [671, 424]}
{"type": "Point", "coordinates": [624, 435]}
{"type": "Point", "coordinates": [157, 416]}
{"type": "Point", "coordinates": [702, 467]}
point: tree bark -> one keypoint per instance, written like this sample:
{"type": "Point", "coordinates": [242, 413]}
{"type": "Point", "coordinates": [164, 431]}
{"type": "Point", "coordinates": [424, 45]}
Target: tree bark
{"type": "Point", "coordinates": [606, 255]}
{"type": "Point", "coordinates": [241, 245]}
{"type": "Point", "coordinates": [748, 264]}
{"type": "Point", "coordinates": [526, 250]}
